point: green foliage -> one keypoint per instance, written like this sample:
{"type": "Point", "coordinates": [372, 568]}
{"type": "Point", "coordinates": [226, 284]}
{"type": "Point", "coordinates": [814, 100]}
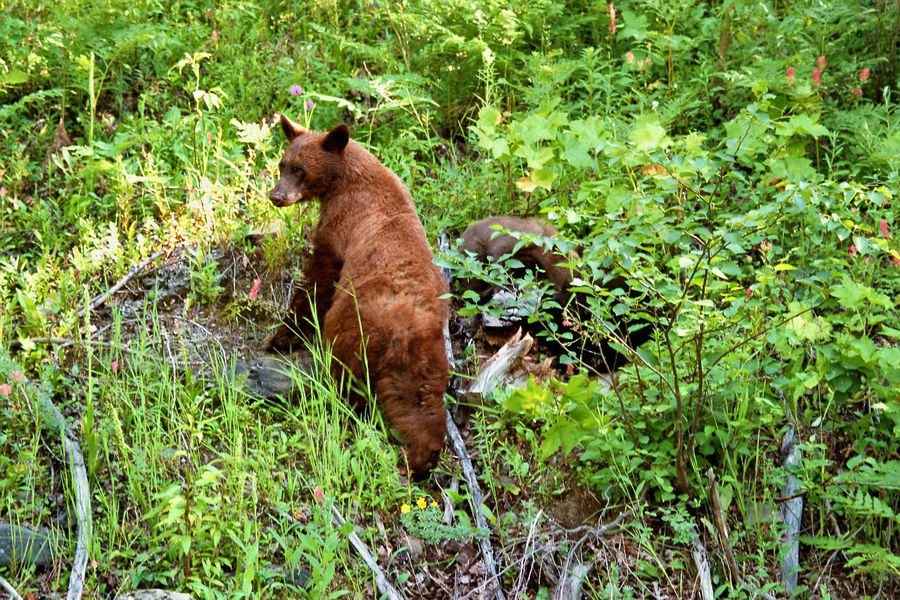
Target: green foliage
{"type": "Point", "coordinates": [423, 520]}
{"type": "Point", "coordinates": [750, 207]}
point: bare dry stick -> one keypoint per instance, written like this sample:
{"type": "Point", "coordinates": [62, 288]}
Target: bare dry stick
{"type": "Point", "coordinates": [381, 580]}
{"type": "Point", "coordinates": [529, 541]}
{"type": "Point", "coordinates": [10, 589]}
{"type": "Point", "coordinates": [701, 559]}
{"type": "Point", "coordinates": [459, 448]}
{"type": "Point", "coordinates": [101, 298]}
{"type": "Point", "coordinates": [82, 497]}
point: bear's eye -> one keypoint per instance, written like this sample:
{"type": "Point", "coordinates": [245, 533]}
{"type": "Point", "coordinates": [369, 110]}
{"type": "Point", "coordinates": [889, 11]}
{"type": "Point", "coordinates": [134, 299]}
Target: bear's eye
{"type": "Point", "coordinates": [299, 171]}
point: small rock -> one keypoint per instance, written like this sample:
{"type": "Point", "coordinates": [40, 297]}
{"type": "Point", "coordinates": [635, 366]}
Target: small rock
{"type": "Point", "coordinates": [267, 377]}
{"type": "Point", "coordinates": [22, 545]}
{"type": "Point", "coordinates": [298, 576]}
{"type": "Point", "coordinates": [414, 546]}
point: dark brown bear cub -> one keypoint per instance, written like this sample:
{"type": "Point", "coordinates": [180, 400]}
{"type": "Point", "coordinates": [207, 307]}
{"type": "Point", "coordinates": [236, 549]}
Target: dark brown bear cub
{"type": "Point", "coordinates": [371, 282]}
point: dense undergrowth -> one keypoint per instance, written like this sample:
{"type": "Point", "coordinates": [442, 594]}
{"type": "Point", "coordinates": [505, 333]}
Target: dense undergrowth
{"type": "Point", "coordinates": [736, 161]}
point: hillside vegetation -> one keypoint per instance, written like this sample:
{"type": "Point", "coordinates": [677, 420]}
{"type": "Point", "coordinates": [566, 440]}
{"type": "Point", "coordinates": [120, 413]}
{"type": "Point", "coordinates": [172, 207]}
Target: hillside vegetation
{"type": "Point", "coordinates": [736, 162]}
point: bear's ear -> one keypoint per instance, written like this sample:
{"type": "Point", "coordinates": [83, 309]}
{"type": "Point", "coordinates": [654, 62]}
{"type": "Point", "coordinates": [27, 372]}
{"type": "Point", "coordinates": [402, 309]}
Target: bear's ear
{"type": "Point", "coordinates": [337, 139]}
{"type": "Point", "coordinates": [290, 129]}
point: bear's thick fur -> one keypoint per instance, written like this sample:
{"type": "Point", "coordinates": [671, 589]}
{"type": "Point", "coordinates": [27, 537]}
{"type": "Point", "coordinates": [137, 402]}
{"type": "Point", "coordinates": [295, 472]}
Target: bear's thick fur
{"type": "Point", "coordinates": [371, 281]}
{"type": "Point", "coordinates": [487, 240]}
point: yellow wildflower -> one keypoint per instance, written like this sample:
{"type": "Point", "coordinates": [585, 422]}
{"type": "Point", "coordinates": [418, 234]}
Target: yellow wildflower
{"type": "Point", "coordinates": [404, 508]}
{"type": "Point", "coordinates": [421, 502]}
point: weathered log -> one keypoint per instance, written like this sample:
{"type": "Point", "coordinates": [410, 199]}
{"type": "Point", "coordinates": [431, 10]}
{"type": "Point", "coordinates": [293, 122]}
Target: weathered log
{"type": "Point", "coordinates": [491, 373]}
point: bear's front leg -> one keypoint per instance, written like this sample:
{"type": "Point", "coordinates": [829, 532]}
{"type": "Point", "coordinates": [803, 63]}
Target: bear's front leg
{"type": "Point", "coordinates": [321, 274]}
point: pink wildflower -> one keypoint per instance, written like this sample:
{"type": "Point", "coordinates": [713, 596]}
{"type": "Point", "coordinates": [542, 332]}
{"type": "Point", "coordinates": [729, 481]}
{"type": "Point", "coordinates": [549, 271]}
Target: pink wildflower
{"type": "Point", "coordinates": [789, 73]}
{"type": "Point", "coordinates": [17, 377]}
{"type": "Point", "coordinates": [864, 74]}
{"type": "Point", "coordinates": [749, 292]}
{"type": "Point", "coordinates": [295, 90]}
{"type": "Point", "coordinates": [640, 64]}
{"type": "Point", "coordinates": [896, 259]}
{"type": "Point", "coordinates": [114, 366]}
{"type": "Point", "coordinates": [820, 62]}
{"type": "Point", "coordinates": [612, 17]}
{"type": "Point", "coordinates": [857, 91]}
{"type": "Point", "coordinates": [3, 191]}
{"type": "Point", "coordinates": [852, 250]}
{"type": "Point", "coordinates": [817, 76]}
{"type": "Point", "coordinates": [214, 37]}
{"type": "Point", "coordinates": [884, 229]}
{"type": "Point", "coordinates": [318, 493]}
{"type": "Point", "coordinates": [5, 389]}
{"type": "Point", "coordinates": [310, 104]}
{"type": "Point", "coordinates": [649, 62]}
{"type": "Point", "coordinates": [570, 369]}
{"type": "Point", "coordinates": [629, 57]}
{"type": "Point", "coordinates": [254, 289]}
{"type": "Point", "coordinates": [567, 323]}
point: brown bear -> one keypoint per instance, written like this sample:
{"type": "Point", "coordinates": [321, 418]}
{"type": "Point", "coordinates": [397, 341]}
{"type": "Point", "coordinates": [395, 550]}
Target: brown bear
{"type": "Point", "coordinates": [491, 239]}
{"type": "Point", "coordinates": [371, 284]}
{"type": "Point", "coordinates": [487, 238]}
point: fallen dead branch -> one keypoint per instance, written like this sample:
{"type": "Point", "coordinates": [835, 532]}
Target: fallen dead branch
{"type": "Point", "coordinates": [101, 298]}
{"type": "Point", "coordinates": [10, 589]}
{"type": "Point", "coordinates": [571, 582]}
{"type": "Point", "coordinates": [487, 552]}
{"type": "Point", "coordinates": [791, 511]}
{"type": "Point", "coordinates": [82, 497]}
{"type": "Point", "coordinates": [384, 585]}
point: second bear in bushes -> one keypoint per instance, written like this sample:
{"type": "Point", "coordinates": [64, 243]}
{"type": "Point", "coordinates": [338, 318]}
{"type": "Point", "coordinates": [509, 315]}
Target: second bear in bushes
{"type": "Point", "coordinates": [490, 239]}
{"type": "Point", "coordinates": [371, 283]}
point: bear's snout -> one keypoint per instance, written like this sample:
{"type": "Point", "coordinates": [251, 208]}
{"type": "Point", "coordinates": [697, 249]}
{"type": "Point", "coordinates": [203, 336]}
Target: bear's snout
{"type": "Point", "coordinates": [280, 196]}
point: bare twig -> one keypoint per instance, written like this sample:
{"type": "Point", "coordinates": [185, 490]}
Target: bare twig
{"type": "Point", "coordinates": [101, 298]}
{"type": "Point", "coordinates": [10, 590]}
{"type": "Point", "coordinates": [529, 541]}
{"type": "Point", "coordinates": [701, 559]}
{"type": "Point", "coordinates": [383, 583]}
{"type": "Point", "coordinates": [602, 529]}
